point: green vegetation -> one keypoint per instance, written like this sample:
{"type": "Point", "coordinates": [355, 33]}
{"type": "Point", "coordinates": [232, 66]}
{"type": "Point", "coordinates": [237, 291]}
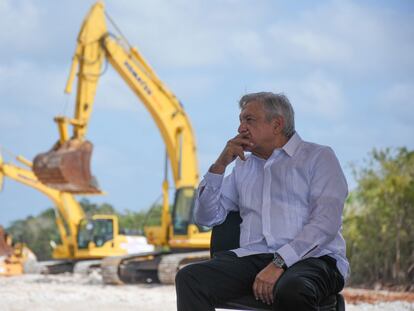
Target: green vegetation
{"type": "Point", "coordinates": [379, 220]}
{"type": "Point", "coordinates": [36, 232]}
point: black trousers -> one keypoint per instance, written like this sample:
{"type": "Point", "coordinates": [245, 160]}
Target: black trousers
{"type": "Point", "coordinates": [302, 286]}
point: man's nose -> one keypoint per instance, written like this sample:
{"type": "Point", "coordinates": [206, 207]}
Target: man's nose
{"type": "Point", "coordinates": [242, 128]}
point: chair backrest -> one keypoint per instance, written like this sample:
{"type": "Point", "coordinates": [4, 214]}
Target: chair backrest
{"type": "Point", "coordinates": [226, 236]}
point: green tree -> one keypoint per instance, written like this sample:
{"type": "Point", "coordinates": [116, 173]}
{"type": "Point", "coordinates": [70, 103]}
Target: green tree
{"type": "Point", "coordinates": [91, 209]}
{"type": "Point", "coordinates": [379, 219]}
{"type": "Point", "coordinates": [37, 232]}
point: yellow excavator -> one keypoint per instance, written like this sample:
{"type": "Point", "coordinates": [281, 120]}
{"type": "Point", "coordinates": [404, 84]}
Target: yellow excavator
{"type": "Point", "coordinates": [66, 166]}
{"type": "Point", "coordinates": [82, 238]}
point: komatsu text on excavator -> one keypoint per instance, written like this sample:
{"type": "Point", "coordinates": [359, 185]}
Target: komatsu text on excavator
{"type": "Point", "coordinates": [66, 166]}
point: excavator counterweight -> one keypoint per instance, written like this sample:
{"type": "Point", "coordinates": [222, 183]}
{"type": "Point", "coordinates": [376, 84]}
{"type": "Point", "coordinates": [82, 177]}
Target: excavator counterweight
{"type": "Point", "coordinates": [66, 167]}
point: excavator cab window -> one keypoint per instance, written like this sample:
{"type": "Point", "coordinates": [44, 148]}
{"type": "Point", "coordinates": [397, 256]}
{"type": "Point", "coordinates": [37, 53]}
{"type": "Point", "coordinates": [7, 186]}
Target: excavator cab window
{"type": "Point", "coordinates": [98, 231]}
{"type": "Point", "coordinates": [183, 211]}
{"type": "Point", "coordinates": [85, 233]}
{"type": "Point", "coordinates": [103, 231]}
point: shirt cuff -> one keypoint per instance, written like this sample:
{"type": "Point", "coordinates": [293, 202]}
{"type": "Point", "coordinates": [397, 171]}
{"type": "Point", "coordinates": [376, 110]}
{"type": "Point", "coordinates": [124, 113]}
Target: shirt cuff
{"type": "Point", "coordinates": [288, 254]}
{"type": "Point", "coordinates": [213, 180]}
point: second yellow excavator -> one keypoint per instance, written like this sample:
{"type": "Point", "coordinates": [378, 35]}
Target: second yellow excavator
{"type": "Point", "coordinates": [82, 238]}
{"type": "Point", "coordinates": [66, 166]}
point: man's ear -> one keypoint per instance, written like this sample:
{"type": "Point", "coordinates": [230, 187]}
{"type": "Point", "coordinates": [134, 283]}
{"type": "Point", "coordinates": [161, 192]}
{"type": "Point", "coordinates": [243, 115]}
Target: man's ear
{"type": "Point", "coordinates": [278, 124]}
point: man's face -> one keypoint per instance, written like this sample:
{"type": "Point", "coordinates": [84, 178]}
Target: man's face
{"type": "Point", "coordinates": [255, 127]}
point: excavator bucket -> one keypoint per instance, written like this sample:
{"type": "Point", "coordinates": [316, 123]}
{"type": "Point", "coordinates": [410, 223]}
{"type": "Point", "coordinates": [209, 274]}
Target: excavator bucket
{"type": "Point", "coordinates": [66, 167]}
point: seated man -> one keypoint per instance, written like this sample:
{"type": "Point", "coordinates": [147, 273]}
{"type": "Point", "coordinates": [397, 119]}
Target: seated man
{"type": "Point", "coordinates": [290, 195]}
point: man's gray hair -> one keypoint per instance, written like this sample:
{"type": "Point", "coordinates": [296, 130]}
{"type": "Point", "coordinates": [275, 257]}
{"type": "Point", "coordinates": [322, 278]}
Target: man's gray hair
{"type": "Point", "coordinates": [275, 105]}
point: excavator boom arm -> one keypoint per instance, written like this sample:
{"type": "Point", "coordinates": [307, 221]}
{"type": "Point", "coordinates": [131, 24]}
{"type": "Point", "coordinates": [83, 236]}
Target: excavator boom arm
{"type": "Point", "coordinates": [69, 211]}
{"type": "Point", "coordinates": [164, 108]}
{"type": "Point", "coordinates": [66, 166]}
{"type": "Point", "coordinates": [94, 45]}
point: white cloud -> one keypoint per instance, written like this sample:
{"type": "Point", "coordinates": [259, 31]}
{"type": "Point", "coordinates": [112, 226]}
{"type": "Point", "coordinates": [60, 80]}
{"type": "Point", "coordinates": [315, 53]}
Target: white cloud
{"type": "Point", "coordinates": [317, 94]}
{"type": "Point", "coordinates": [401, 93]}
{"type": "Point", "coordinates": [321, 96]}
{"type": "Point", "coordinates": [10, 119]}
{"type": "Point", "coordinates": [114, 94]}
{"type": "Point", "coordinates": [344, 35]}
{"type": "Point", "coordinates": [303, 43]}
{"type": "Point", "coordinates": [398, 100]}
{"type": "Point", "coordinates": [190, 87]}
{"type": "Point", "coordinates": [20, 24]}
{"type": "Point", "coordinates": [169, 31]}
{"type": "Point", "coordinates": [30, 84]}
{"type": "Point", "coordinates": [191, 33]}
{"type": "Point", "coordinates": [251, 46]}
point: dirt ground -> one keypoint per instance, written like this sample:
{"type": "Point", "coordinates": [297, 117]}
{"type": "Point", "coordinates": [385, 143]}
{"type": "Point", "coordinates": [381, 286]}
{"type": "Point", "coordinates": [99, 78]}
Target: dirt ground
{"type": "Point", "coordinates": [88, 293]}
{"type": "Point", "coordinates": [357, 296]}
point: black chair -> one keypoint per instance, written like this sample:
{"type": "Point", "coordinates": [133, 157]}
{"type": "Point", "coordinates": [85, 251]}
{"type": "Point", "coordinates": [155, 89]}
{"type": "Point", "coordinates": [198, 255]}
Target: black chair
{"type": "Point", "coordinates": [225, 237]}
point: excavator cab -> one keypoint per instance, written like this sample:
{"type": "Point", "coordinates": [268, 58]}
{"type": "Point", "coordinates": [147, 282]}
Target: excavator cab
{"type": "Point", "coordinates": [97, 230]}
{"type": "Point", "coordinates": [66, 167]}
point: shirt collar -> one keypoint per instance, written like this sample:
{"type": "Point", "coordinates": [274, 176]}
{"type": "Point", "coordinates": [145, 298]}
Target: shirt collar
{"type": "Point", "coordinates": [292, 145]}
{"type": "Point", "coordinates": [290, 148]}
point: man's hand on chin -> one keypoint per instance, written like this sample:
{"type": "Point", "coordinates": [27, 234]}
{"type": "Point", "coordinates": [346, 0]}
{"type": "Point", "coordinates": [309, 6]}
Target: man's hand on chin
{"type": "Point", "coordinates": [265, 281]}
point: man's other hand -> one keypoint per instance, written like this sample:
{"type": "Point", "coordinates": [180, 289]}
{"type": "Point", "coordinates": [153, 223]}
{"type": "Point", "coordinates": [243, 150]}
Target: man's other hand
{"type": "Point", "coordinates": [265, 281]}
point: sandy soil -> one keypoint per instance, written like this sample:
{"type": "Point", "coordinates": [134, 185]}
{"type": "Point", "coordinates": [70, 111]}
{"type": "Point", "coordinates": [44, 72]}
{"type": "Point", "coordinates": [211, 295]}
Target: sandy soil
{"type": "Point", "coordinates": [357, 296]}
{"type": "Point", "coordinates": [80, 293]}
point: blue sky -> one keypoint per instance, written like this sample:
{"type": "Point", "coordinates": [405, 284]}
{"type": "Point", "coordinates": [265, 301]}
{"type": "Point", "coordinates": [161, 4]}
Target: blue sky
{"type": "Point", "coordinates": [347, 67]}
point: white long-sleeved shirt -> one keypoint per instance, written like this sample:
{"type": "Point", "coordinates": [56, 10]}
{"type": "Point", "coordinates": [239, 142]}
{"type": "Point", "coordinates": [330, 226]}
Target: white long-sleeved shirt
{"type": "Point", "coordinates": [291, 203]}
